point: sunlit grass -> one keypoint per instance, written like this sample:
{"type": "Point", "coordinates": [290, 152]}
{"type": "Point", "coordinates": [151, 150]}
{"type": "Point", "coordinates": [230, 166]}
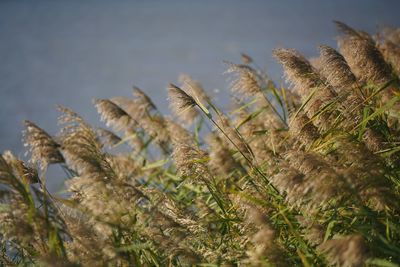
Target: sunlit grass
{"type": "Point", "coordinates": [302, 176]}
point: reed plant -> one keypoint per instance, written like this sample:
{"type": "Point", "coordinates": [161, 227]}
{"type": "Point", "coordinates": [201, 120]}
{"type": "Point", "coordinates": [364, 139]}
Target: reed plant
{"type": "Point", "coordinates": [307, 175]}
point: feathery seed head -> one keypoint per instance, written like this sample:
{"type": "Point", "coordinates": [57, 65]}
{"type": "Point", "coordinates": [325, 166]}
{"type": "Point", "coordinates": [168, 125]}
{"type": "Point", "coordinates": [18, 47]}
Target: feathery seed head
{"type": "Point", "coordinates": [189, 161]}
{"type": "Point", "coordinates": [391, 34]}
{"type": "Point", "coordinates": [314, 232]}
{"type": "Point", "coordinates": [28, 174]}
{"type": "Point", "coordinates": [152, 124]}
{"type": "Point", "coordinates": [335, 69]}
{"type": "Point", "coordinates": [298, 70]}
{"type": "Point", "coordinates": [302, 129]}
{"type": "Point", "coordinates": [350, 250]}
{"type": "Point", "coordinates": [373, 140]}
{"type": "Point", "coordinates": [364, 59]}
{"type": "Point", "coordinates": [246, 59]}
{"type": "Point", "coordinates": [246, 81]}
{"type": "Point", "coordinates": [108, 138]}
{"type": "Point", "coordinates": [68, 116]}
{"type": "Point", "coordinates": [322, 183]}
{"type": "Point", "coordinates": [143, 100]}
{"type": "Point", "coordinates": [133, 107]}
{"type": "Point", "coordinates": [221, 159]}
{"type": "Point", "coordinates": [347, 30]}
{"type": "Point", "coordinates": [391, 53]}
{"type": "Point", "coordinates": [82, 149]}
{"type": "Point", "coordinates": [113, 115]}
{"type": "Point", "coordinates": [41, 145]}
{"type": "Point", "coordinates": [194, 88]}
{"type": "Point", "coordinates": [179, 134]}
{"type": "Point", "coordinates": [182, 104]}
{"type": "Point", "coordinates": [124, 166]}
{"type": "Point", "coordinates": [265, 248]}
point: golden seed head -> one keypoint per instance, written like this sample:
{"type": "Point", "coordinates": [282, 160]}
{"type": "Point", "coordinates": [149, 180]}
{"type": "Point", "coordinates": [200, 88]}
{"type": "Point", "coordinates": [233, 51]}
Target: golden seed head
{"type": "Point", "coordinates": [108, 138]}
{"type": "Point", "coordinates": [363, 57]}
{"type": "Point", "coordinates": [335, 69]}
{"type": "Point", "coordinates": [246, 59]}
{"type": "Point", "coordinates": [298, 70]}
{"type": "Point", "coordinates": [43, 148]}
{"type": "Point", "coordinates": [26, 173]}
{"type": "Point", "coordinates": [143, 100]}
{"type": "Point", "coordinates": [113, 115]}
{"type": "Point", "coordinates": [350, 250]}
{"type": "Point", "coordinates": [182, 104]}
{"type": "Point", "coordinates": [246, 80]}
{"type": "Point", "coordinates": [194, 88]}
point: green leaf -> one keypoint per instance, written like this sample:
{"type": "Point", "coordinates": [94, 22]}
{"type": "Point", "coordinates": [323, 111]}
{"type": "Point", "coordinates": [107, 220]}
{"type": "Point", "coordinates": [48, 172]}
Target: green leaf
{"type": "Point", "coordinates": [329, 228]}
{"type": "Point", "coordinates": [379, 111]}
{"type": "Point", "coordinates": [381, 263]}
{"type": "Point", "coordinates": [156, 164]}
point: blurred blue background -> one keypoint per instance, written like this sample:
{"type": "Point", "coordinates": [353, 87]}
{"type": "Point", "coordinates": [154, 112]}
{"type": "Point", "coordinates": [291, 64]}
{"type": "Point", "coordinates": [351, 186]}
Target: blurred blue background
{"type": "Point", "coordinates": [68, 52]}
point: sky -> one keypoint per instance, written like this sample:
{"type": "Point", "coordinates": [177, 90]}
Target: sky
{"type": "Point", "coordinates": [69, 52]}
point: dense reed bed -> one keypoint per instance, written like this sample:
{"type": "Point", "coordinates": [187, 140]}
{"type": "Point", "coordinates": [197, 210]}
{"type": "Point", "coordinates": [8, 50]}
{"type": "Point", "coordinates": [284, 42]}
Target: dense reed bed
{"type": "Point", "coordinates": [302, 176]}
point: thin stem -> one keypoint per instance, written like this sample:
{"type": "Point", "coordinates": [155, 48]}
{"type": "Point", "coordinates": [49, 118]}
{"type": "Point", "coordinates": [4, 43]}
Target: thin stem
{"type": "Point", "coordinates": [274, 109]}
{"type": "Point", "coordinates": [245, 157]}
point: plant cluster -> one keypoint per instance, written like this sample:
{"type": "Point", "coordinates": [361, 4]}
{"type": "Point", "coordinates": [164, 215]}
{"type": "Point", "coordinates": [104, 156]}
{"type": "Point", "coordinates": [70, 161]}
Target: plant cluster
{"type": "Point", "coordinates": [307, 175]}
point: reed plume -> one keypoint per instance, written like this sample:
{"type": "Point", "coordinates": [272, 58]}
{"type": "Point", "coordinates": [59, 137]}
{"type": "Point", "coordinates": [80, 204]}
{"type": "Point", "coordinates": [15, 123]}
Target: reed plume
{"type": "Point", "coordinates": [182, 104]}
{"type": "Point", "coordinates": [364, 59]}
{"type": "Point", "coordinates": [298, 70]}
{"type": "Point", "coordinates": [336, 70]}
{"type": "Point", "coordinates": [143, 100]}
{"type": "Point", "coordinates": [246, 82]}
{"type": "Point", "coordinates": [346, 251]}
{"type": "Point", "coordinates": [43, 148]}
{"type": "Point", "coordinates": [108, 138]}
{"type": "Point", "coordinates": [113, 115]}
{"type": "Point", "coordinates": [194, 88]}
{"type": "Point", "coordinates": [221, 159]}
